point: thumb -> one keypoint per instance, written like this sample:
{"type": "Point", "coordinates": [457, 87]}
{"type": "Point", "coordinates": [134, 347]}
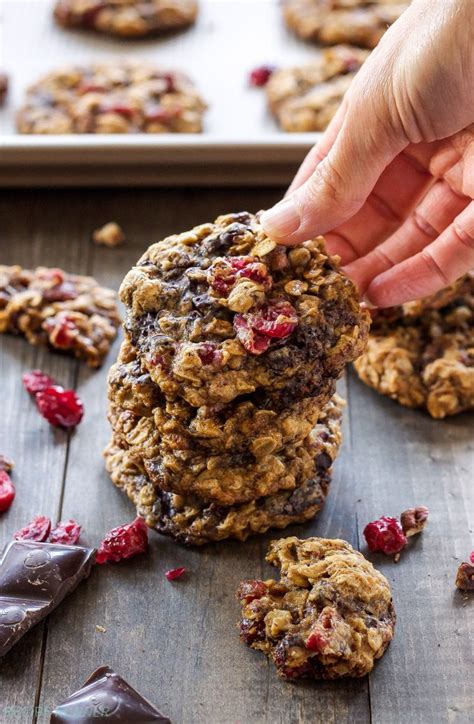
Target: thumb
{"type": "Point", "coordinates": [342, 180]}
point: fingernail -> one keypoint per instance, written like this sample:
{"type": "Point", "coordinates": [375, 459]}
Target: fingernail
{"type": "Point", "coordinates": [367, 303]}
{"type": "Point", "coordinates": [281, 220]}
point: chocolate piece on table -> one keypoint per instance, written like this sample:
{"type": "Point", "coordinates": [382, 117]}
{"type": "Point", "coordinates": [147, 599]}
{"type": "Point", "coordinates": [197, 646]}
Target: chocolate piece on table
{"type": "Point", "coordinates": [34, 579]}
{"type": "Point", "coordinates": [105, 695]}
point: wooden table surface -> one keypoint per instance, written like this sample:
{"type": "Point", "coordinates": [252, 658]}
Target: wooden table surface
{"type": "Point", "coordinates": [177, 642]}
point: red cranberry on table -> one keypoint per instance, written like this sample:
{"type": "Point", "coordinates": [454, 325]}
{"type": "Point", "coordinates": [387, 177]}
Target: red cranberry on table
{"type": "Point", "coordinates": [36, 381]}
{"type": "Point", "coordinates": [37, 530]}
{"type": "Point", "coordinates": [124, 541]}
{"type": "Point", "coordinates": [60, 407]}
{"type": "Point", "coordinates": [385, 535]}
{"type": "Point", "coordinates": [66, 532]}
{"type": "Point", "coordinates": [7, 491]}
{"type": "Point", "coordinates": [175, 573]}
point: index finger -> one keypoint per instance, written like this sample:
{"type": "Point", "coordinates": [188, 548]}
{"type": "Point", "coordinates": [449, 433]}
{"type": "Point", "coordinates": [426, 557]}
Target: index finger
{"type": "Point", "coordinates": [319, 150]}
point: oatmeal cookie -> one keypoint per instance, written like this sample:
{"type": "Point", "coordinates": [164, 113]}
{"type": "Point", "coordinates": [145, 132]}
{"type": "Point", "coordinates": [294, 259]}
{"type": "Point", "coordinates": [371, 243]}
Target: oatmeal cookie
{"type": "Point", "coordinates": [3, 87]}
{"type": "Point", "coordinates": [305, 98]}
{"type": "Point", "coordinates": [70, 313]}
{"type": "Point", "coordinates": [331, 614]}
{"type": "Point", "coordinates": [221, 312]}
{"type": "Point", "coordinates": [127, 18]}
{"type": "Point", "coordinates": [191, 520]}
{"type": "Point", "coordinates": [361, 22]}
{"type": "Point", "coordinates": [461, 287]}
{"type": "Point", "coordinates": [119, 97]}
{"type": "Point", "coordinates": [241, 425]}
{"type": "Point", "coordinates": [226, 477]}
{"type": "Point", "coordinates": [425, 361]}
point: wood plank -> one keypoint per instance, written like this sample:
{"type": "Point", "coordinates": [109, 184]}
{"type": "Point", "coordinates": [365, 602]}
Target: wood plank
{"type": "Point", "coordinates": [404, 458]}
{"type": "Point", "coordinates": [177, 643]}
{"type": "Point", "coordinates": [32, 234]}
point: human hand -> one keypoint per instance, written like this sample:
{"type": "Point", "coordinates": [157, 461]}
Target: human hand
{"type": "Point", "coordinates": [392, 179]}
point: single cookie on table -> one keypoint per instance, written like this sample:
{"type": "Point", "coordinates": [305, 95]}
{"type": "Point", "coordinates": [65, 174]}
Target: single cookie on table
{"type": "Point", "coordinates": [191, 520]}
{"type": "Point", "coordinates": [127, 18]}
{"type": "Point", "coordinates": [119, 97]}
{"type": "Point", "coordinates": [221, 311]}
{"type": "Point", "coordinates": [240, 426]}
{"type": "Point", "coordinates": [426, 359]}
{"type": "Point", "coordinates": [305, 98]}
{"type": "Point", "coordinates": [68, 312]}
{"type": "Point", "coordinates": [331, 614]}
{"type": "Point", "coordinates": [227, 478]}
{"type": "Point", "coordinates": [361, 22]}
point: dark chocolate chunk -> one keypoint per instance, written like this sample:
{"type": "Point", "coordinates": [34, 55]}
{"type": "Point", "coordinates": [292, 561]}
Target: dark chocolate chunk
{"type": "Point", "coordinates": [34, 579]}
{"type": "Point", "coordinates": [105, 695]}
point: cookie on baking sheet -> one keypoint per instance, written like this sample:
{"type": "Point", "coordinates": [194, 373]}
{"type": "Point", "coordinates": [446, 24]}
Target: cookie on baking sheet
{"type": "Point", "coordinates": [225, 477]}
{"type": "Point", "coordinates": [222, 311]}
{"type": "Point", "coordinates": [360, 22]}
{"type": "Point", "coordinates": [67, 312]}
{"type": "Point", "coordinates": [330, 615]}
{"type": "Point", "coordinates": [424, 355]}
{"type": "Point", "coordinates": [192, 520]}
{"type": "Point", "coordinates": [127, 18]}
{"type": "Point", "coordinates": [306, 98]}
{"type": "Point", "coordinates": [119, 97]}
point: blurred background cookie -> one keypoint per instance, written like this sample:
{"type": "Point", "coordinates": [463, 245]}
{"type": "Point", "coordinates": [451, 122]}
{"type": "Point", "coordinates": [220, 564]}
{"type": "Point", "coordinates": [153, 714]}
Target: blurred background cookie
{"type": "Point", "coordinates": [115, 97]}
{"type": "Point", "coordinates": [126, 18]}
{"type": "Point", "coordinates": [361, 22]}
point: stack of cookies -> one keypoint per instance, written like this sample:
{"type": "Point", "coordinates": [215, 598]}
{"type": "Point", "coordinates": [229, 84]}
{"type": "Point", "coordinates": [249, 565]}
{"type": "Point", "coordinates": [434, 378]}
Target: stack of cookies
{"type": "Point", "coordinates": [222, 403]}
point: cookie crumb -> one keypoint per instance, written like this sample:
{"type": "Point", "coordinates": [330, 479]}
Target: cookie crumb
{"type": "Point", "coordinates": [414, 520]}
{"type": "Point", "coordinates": [100, 629]}
{"type": "Point", "coordinates": [6, 464]}
{"type": "Point", "coordinates": [109, 235]}
{"type": "Point", "coordinates": [465, 577]}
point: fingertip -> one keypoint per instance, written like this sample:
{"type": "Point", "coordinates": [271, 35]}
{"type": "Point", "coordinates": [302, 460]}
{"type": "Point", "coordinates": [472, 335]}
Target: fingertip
{"type": "Point", "coordinates": [281, 221]}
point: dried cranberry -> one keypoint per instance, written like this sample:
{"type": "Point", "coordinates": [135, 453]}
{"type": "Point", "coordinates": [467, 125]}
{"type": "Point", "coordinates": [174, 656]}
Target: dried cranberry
{"type": "Point", "coordinates": [60, 407]}
{"type": "Point", "coordinates": [124, 541]}
{"type": "Point", "coordinates": [121, 109]}
{"type": "Point", "coordinates": [36, 381]}
{"type": "Point", "coordinates": [67, 532]}
{"type": "Point", "coordinates": [250, 590]}
{"type": "Point", "coordinates": [316, 642]}
{"type": "Point", "coordinates": [251, 340]}
{"type": "Point", "coordinates": [471, 557]}
{"type": "Point", "coordinates": [60, 292]}
{"type": "Point", "coordinates": [255, 330]}
{"type": "Point", "coordinates": [162, 114]}
{"type": "Point", "coordinates": [7, 491]}
{"type": "Point", "coordinates": [260, 76]}
{"type": "Point", "coordinates": [226, 272]}
{"type": "Point", "coordinates": [37, 530]}
{"type": "Point", "coordinates": [62, 331]}
{"type": "Point", "coordinates": [276, 320]}
{"type": "Point", "coordinates": [208, 353]}
{"type": "Point", "coordinates": [386, 535]}
{"type": "Point", "coordinates": [251, 631]}
{"type": "Point", "coordinates": [175, 573]}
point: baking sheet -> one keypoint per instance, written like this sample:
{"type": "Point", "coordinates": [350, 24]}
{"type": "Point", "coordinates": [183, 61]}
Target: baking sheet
{"type": "Point", "coordinates": [241, 142]}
